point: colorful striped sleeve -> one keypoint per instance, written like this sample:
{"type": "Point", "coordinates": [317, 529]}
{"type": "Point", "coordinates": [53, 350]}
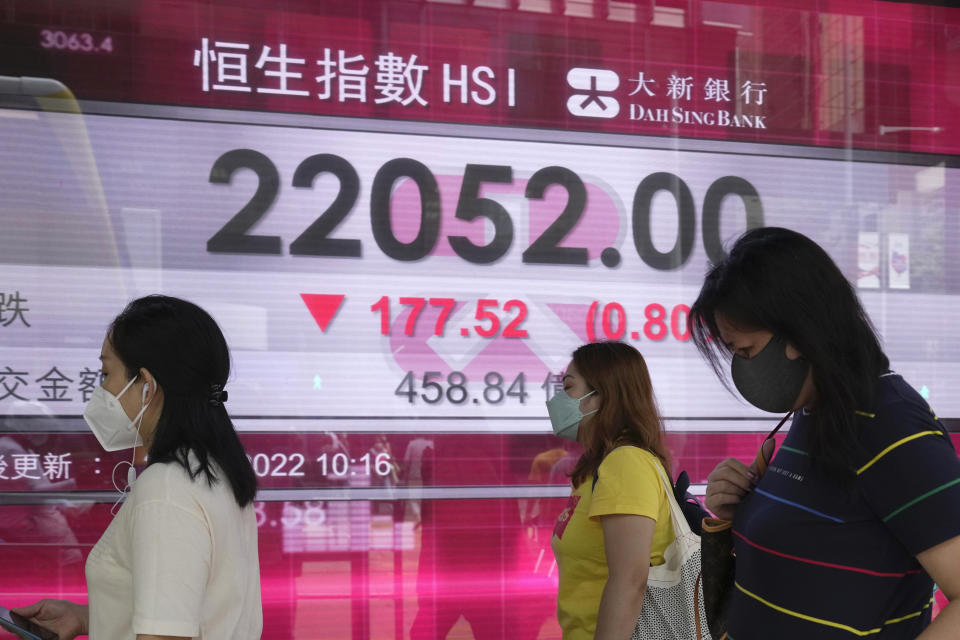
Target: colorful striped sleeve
{"type": "Point", "coordinates": [910, 473]}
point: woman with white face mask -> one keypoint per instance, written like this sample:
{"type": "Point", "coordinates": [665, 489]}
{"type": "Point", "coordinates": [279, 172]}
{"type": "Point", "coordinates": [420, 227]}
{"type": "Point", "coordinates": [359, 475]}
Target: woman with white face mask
{"type": "Point", "coordinates": [860, 507]}
{"type": "Point", "coordinates": [617, 522]}
{"type": "Point", "coordinates": [179, 560]}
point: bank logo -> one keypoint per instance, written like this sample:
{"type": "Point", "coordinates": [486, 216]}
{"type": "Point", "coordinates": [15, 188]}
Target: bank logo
{"type": "Point", "coordinates": [669, 102]}
{"type": "Point", "coordinates": [597, 85]}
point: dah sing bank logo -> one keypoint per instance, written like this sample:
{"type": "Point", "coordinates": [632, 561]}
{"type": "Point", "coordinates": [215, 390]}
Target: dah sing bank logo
{"type": "Point", "coordinates": [597, 102]}
{"type": "Point", "coordinates": [596, 89]}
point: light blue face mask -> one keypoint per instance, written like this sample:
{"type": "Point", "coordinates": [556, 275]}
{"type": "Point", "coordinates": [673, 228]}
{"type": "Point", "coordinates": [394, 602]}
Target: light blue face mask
{"type": "Point", "coordinates": [565, 414]}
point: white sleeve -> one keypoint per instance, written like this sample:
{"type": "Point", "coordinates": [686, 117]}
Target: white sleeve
{"type": "Point", "coordinates": [172, 549]}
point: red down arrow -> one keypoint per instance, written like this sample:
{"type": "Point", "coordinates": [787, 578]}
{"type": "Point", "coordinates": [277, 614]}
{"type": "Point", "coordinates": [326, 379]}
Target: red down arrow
{"type": "Point", "coordinates": [322, 306]}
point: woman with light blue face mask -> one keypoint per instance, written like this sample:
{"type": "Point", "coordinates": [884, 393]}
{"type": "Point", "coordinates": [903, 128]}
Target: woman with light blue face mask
{"type": "Point", "coordinates": [617, 521]}
{"type": "Point", "coordinates": [180, 558]}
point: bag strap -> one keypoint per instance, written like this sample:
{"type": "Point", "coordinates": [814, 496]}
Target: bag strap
{"type": "Point", "coordinates": [680, 525]}
{"type": "Point", "coordinates": [761, 463]}
{"type": "Point", "coordinates": [697, 592]}
{"type": "Point", "coordinates": [779, 424]}
{"type": "Point", "coordinates": [760, 460]}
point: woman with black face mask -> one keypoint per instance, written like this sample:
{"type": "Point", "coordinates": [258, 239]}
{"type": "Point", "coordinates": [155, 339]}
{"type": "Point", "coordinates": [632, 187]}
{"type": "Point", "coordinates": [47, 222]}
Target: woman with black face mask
{"type": "Point", "coordinates": [858, 513]}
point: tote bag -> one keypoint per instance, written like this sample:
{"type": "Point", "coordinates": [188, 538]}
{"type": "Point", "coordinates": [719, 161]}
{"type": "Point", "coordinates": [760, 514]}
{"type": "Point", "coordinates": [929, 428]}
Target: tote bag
{"type": "Point", "coordinates": [673, 604]}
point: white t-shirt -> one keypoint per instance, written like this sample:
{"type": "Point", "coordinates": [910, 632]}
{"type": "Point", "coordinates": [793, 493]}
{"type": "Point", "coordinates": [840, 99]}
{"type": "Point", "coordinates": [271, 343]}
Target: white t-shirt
{"type": "Point", "coordinates": [179, 559]}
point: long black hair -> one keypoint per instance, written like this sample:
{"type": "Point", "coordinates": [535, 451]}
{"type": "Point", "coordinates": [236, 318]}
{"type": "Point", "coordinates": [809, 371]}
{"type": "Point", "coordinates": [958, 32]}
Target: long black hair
{"type": "Point", "coordinates": [184, 349]}
{"type": "Point", "coordinates": [779, 280]}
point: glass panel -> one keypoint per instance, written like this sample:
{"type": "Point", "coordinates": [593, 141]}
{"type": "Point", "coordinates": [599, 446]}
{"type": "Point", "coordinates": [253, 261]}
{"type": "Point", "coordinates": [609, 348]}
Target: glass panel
{"type": "Point", "coordinates": [312, 175]}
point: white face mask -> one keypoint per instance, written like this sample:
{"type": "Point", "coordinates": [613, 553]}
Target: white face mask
{"type": "Point", "coordinates": [109, 422]}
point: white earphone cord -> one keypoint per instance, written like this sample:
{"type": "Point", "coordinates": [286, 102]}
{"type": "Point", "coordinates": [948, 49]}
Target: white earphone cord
{"type": "Point", "coordinates": [131, 470]}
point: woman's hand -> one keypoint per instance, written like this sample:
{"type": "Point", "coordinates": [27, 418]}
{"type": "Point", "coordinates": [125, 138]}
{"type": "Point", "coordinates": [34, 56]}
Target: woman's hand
{"type": "Point", "coordinates": [67, 619]}
{"type": "Point", "coordinates": [730, 481]}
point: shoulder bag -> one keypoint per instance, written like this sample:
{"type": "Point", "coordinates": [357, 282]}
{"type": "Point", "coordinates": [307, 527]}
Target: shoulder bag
{"type": "Point", "coordinates": [673, 607]}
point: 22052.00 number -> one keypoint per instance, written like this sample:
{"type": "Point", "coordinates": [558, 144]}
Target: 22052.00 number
{"type": "Point", "coordinates": [316, 240]}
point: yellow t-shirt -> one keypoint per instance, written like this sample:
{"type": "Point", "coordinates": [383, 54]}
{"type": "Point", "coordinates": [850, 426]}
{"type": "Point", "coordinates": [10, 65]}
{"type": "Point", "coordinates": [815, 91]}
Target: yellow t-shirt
{"type": "Point", "coordinates": [628, 483]}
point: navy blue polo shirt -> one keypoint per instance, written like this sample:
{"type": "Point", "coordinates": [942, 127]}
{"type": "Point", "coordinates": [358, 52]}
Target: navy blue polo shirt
{"type": "Point", "coordinates": [818, 561]}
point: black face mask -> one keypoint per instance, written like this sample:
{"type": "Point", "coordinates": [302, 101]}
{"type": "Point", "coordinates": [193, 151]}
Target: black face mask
{"type": "Point", "coordinates": [770, 380]}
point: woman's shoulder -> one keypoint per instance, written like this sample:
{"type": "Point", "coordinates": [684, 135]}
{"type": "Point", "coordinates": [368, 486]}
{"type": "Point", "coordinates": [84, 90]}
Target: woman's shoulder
{"type": "Point", "coordinates": [169, 481]}
{"type": "Point", "coordinates": [630, 452]}
{"type": "Point", "coordinates": [155, 481]}
{"type": "Point", "coordinates": [897, 410]}
{"type": "Point", "coordinates": [894, 396]}
{"type": "Point", "coordinates": [630, 471]}
{"type": "Point", "coordinates": [629, 456]}
{"type": "Point", "coordinates": [901, 428]}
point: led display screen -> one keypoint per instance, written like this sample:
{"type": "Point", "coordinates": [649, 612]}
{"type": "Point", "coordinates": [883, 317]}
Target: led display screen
{"type": "Point", "coordinates": [405, 216]}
